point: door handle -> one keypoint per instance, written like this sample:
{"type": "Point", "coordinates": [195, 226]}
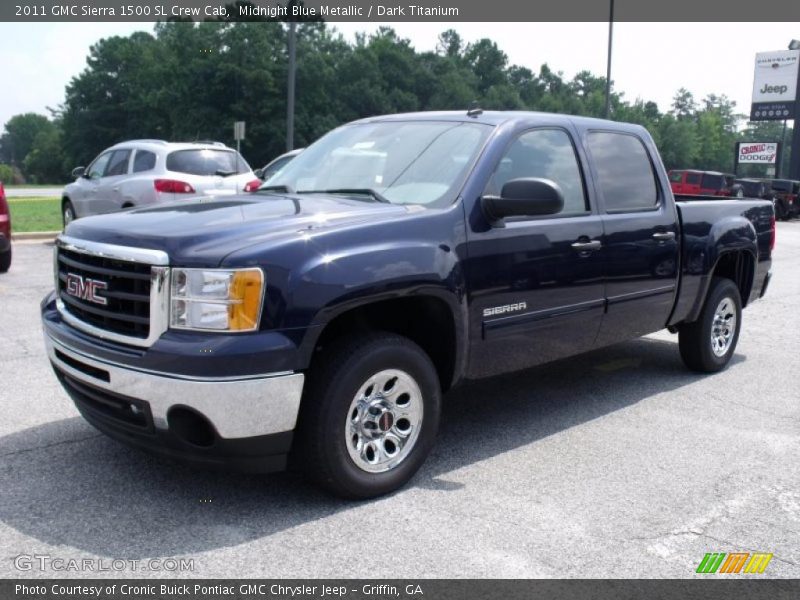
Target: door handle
{"type": "Point", "coordinates": [664, 236]}
{"type": "Point", "coordinates": [587, 246]}
{"type": "Point", "coordinates": [115, 189]}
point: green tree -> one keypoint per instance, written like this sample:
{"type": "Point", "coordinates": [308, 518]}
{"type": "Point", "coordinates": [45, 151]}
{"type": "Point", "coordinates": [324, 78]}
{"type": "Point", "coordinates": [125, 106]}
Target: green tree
{"type": "Point", "coordinates": [45, 162]}
{"type": "Point", "coordinates": [20, 133]}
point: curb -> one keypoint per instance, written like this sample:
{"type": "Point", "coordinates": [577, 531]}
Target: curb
{"type": "Point", "coordinates": [34, 235]}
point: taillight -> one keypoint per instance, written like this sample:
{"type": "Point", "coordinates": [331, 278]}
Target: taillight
{"type": "Point", "coordinates": [772, 233]}
{"type": "Point", "coordinates": [173, 186]}
{"type": "Point", "coordinates": [252, 186]}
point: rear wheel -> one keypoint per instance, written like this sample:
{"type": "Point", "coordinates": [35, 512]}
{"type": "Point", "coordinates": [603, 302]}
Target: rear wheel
{"type": "Point", "coordinates": [707, 345]}
{"type": "Point", "coordinates": [67, 213]}
{"type": "Point", "coordinates": [780, 210]}
{"type": "Point", "coordinates": [370, 415]}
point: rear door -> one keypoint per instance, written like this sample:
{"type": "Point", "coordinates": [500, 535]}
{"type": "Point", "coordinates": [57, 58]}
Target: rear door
{"type": "Point", "coordinates": [640, 245]}
{"type": "Point", "coordinates": [535, 284]}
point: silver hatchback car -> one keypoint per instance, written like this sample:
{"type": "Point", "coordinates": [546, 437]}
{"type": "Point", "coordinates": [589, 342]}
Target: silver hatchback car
{"type": "Point", "coordinates": [142, 172]}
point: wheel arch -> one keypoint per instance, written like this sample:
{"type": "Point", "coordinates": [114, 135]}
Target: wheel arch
{"type": "Point", "coordinates": [426, 319]}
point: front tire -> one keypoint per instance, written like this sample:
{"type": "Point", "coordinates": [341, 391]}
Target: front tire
{"type": "Point", "coordinates": [369, 415]}
{"type": "Point", "coordinates": [5, 260]}
{"type": "Point", "coordinates": [708, 344]}
{"type": "Point", "coordinates": [67, 213]}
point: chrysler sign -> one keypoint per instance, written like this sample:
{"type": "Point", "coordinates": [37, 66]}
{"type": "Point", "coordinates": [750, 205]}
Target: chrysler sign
{"type": "Point", "coordinates": [775, 85]}
{"type": "Point", "coordinates": [757, 153]}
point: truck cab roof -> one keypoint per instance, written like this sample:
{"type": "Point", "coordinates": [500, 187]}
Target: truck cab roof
{"type": "Point", "coordinates": [497, 118]}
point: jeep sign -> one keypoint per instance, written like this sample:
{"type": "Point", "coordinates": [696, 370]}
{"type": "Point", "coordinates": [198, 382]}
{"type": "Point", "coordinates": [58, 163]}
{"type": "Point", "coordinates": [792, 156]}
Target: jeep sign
{"type": "Point", "coordinates": [757, 153]}
{"type": "Point", "coordinates": [775, 85]}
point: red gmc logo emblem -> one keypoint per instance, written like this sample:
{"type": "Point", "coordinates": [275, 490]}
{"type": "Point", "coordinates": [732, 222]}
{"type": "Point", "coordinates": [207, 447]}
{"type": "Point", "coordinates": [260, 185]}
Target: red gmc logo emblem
{"type": "Point", "coordinates": [85, 288]}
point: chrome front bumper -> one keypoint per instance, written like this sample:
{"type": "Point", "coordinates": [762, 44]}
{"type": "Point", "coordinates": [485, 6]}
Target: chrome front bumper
{"type": "Point", "coordinates": [236, 407]}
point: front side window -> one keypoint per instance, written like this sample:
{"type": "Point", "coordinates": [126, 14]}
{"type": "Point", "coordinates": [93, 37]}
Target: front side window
{"type": "Point", "coordinates": [98, 166]}
{"type": "Point", "coordinates": [624, 172]}
{"type": "Point", "coordinates": [546, 154]}
{"type": "Point", "coordinates": [403, 162]}
{"type": "Point", "coordinates": [276, 166]}
{"type": "Point", "coordinates": [118, 164]}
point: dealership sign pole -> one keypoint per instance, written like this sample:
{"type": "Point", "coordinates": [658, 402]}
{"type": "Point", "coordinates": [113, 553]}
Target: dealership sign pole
{"type": "Point", "coordinates": [775, 84]}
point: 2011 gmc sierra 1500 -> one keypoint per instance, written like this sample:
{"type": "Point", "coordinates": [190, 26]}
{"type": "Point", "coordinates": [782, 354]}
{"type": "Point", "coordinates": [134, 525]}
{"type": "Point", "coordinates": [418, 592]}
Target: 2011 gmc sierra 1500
{"type": "Point", "coordinates": [323, 317]}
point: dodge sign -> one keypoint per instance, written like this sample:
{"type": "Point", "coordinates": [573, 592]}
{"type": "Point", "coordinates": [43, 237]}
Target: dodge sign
{"type": "Point", "coordinates": [757, 153]}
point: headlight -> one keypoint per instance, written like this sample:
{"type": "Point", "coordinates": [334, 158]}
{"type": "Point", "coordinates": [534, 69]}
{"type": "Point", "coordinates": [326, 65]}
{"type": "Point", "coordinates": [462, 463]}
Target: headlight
{"type": "Point", "coordinates": [216, 299]}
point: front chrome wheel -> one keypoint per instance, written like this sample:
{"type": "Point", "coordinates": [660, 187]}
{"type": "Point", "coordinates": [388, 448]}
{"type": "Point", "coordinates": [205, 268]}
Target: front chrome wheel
{"type": "Point", "coordinates": [723, 327]}
{"type": "Point", "coordinates": [384, 421]}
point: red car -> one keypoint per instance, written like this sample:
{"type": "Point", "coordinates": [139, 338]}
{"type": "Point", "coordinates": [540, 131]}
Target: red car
{"type": "Point", "coordinates": [5, 232]}
{"type": "Point", "coordinates": [704, 183]}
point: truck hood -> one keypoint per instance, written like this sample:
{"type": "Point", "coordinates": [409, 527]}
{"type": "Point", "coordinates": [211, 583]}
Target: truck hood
{"type": "Point", "coordinates": [203, 231]}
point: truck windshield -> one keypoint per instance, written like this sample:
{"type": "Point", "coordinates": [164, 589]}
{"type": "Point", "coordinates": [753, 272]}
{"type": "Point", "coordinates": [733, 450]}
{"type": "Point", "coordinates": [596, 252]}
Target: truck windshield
{"type": "Point", "coordinates": [404, 162]}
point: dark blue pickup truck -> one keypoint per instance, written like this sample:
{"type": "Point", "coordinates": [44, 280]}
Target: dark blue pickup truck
{"type": "Point", "coordinates": [322, 318]}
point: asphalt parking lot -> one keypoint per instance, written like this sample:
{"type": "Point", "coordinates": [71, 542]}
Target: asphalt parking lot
{"type": "Point", "coordinates": [616, 463]}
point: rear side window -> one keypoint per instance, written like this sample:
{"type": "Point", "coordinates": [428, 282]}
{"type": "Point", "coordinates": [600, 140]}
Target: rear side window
{"type": "Point", "coordinates": [205, 161]}
{"type": "Point", "coordinates": [118, 165]}
{"type": "Point", "coordinates": [624, 172]}
{"type": "Point", "coordinates": [548, 154]}
{"type": "Point", "coordinates": [144, 161]}
{"type": "Point", "coordinates": [693, 178]}
{"type": "Point", "coordinates": [715, 182]}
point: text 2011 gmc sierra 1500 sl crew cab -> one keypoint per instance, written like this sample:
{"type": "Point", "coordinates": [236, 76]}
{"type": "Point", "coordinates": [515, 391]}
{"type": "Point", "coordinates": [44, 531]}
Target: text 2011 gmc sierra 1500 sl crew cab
{"type": "Point", "coordinates": [321, 318]}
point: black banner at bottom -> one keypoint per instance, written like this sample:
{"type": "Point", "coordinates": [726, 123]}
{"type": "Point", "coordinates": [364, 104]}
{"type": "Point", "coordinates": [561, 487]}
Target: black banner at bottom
{"type": "Point", "coordinates": [731, 588]}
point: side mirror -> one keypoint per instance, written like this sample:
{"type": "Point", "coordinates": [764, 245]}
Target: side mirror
{"type": "Point", "coordinates": [78, 172]}
{"type": "Point", "coordinates": [526, 197]}
{"type": "Point", "coordinates": [259, 173]}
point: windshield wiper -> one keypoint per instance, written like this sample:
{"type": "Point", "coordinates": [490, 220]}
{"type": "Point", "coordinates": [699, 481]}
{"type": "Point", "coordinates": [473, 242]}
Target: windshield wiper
{"type": "Point", "coordinates": [376, 196]}
{"type": "Point", "coordinates": [275, 188]}
{"type": "Point", "coordinates": [224, 173]}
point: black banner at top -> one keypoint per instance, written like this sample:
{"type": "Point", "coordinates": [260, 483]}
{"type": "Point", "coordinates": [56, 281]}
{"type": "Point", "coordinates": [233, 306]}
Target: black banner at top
{"type": "Point", "coordinates": [404, 11]}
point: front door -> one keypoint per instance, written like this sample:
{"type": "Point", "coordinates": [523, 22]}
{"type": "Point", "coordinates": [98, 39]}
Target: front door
{"type": "Point", "coordinates": [109, 197]}
{"type": "Point", "coordinates": [535, 284]}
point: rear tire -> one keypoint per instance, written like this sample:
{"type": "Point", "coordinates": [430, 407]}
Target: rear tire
{"type": "Point", "coordinates": [780, 210]}
{"type": "Point", "coordinates": [369, 415]}
{"type": "Point", "coordinates": [708, 344]}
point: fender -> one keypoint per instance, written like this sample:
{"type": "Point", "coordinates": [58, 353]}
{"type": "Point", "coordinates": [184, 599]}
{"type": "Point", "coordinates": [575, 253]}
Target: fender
{"type": "Point", "coordinates": [728, 235]}
{"type": "Point", "coordinates": [355, 277]}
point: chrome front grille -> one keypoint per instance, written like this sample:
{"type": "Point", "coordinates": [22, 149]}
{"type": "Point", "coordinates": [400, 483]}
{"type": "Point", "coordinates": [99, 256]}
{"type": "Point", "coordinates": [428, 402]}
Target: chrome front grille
{"type": "Point", "coordinates": [113, 292]}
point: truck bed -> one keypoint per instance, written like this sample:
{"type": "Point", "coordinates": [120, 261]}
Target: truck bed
{"type": "Point", "coordinates": [703, 221]}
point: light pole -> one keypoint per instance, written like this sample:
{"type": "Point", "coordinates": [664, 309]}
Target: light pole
{"type": "Point", "coordinates": [794, 156]}
{"type": "Point", "coordinates": [290, 86]}
{"type": "Point", "coordinates": [608, 66]}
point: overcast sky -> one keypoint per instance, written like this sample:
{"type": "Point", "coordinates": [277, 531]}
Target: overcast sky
{"type": "Point", "coordinates": [651, 60]}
